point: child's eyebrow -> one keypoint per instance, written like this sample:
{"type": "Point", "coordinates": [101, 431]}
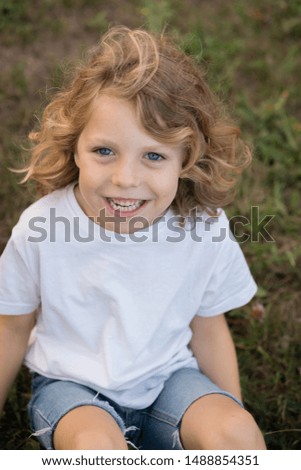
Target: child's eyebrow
{"type": "Point", "coordinates": [101, 142]}
{"type": "Point", "coordinates": [156, 147]}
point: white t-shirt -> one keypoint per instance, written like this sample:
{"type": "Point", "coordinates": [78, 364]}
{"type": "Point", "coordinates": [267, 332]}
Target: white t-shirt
{"type": "Point", "coordinates": [114, 309]}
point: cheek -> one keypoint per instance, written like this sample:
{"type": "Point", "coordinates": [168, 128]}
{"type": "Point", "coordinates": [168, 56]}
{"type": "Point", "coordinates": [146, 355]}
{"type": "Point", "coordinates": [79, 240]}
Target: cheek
{"type": "Point", "coordinates": [76, 160]}
{"type": "Point", "coordinates": [89, 174]}
{"type": "Point", "coordinates": [173, 179]}
{"type": "Point", "coordinates": [168, 188]}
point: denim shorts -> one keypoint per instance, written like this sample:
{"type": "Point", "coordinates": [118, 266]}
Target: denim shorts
{"type": "Point", "coordinates": [156, 427]}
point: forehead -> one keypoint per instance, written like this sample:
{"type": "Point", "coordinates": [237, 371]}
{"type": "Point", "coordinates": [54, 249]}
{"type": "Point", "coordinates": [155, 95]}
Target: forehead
{"type": "Point", "coordinates": [110, 103]}
{"type": "Point", "coordinates": [116, 118]}
{"type": "Point", "coordinates": [108, 110]}
{"type": "Point", "coordinates": [113, 114]}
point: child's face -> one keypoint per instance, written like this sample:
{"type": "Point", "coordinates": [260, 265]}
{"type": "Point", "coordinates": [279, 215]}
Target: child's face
{"type": "Point", "coordinates": [126, 178]}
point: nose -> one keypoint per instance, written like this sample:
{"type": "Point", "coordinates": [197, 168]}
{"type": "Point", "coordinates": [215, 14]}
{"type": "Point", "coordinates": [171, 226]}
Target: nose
{"type": "Point", "coordinates": [126, 174]}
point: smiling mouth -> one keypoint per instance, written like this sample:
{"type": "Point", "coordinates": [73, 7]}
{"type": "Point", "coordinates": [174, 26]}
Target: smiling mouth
{"type": "Point", "coordinates": [125, 205]}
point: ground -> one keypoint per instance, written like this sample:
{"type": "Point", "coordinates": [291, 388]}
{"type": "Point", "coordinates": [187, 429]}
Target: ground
{"type": "Point", "coordinates": [251, 54]}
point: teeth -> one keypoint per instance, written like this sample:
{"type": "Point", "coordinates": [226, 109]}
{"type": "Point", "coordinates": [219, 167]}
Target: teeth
{"type": "Point", "coordinates": [125, 205]}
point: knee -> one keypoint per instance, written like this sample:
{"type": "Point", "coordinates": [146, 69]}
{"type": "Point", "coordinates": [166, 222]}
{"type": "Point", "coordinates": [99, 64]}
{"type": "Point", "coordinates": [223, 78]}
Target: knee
{"type": "Point", "coordinates": [88, 428]}
{"type": "Point", "coordinates": [238, 430]}
{"type": "Point", "coordinates": [217, 422]}
{"type": "Point", "coordinates": [88, 440]}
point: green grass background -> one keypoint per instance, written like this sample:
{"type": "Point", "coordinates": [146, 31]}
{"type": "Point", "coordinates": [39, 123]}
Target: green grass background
{"type": "Point", "coordinates": [251, 52]}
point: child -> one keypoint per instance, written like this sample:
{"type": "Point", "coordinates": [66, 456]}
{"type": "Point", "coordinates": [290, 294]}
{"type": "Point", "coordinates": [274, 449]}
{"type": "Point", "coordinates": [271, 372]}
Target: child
{"type": "Point", "coordinates": [114, 285]}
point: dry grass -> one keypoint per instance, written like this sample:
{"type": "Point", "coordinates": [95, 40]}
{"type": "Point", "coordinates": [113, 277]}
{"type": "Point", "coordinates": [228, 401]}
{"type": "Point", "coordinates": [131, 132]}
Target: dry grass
{"type": "Point", "coordinates": [253, 62]}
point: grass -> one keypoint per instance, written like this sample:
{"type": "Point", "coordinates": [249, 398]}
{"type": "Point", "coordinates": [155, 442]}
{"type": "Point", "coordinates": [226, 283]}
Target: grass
{"type": "Point", "coordinates": [251, 55]}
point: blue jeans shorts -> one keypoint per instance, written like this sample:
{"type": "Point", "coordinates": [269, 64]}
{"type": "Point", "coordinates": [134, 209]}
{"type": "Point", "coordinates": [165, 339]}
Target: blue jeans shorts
{"type": "Point", "coordinates": [156, 427]}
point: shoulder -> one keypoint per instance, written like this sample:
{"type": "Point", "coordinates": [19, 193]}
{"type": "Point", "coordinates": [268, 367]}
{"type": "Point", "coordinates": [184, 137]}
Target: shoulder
{"type": "Point", "coordinates": [41, 208]}
{"type": "Point", "coordinates": [42, 205]}
{"type": "Point", "coordinates": [40, 211]}
{"type": "Point", "coordinates": [209, 228]}
{"type": "Point", "coordinates": [202, 235]}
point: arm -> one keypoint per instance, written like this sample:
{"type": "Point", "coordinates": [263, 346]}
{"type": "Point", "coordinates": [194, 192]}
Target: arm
{"type": "Point", "coordinates": [213, 347]}
{"type": "Point", "coordinates": [14, 336]}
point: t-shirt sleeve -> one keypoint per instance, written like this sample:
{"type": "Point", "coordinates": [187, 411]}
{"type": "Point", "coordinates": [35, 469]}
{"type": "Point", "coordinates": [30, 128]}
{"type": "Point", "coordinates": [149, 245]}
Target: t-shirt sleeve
{"type": "Point", "coordinates": [19, 293]}
{"type": "Point", "coordinates": [230, 283]}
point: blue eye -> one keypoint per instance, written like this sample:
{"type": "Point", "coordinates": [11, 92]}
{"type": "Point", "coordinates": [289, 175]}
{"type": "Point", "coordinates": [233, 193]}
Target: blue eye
{"type": "Point", "coordinates": [103, 151]}
{"type": "Point", "coordinates": [154, 157]}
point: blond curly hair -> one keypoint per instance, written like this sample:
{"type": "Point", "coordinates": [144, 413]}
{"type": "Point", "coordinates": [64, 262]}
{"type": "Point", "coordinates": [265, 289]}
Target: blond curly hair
{"type": "Point", "coordinates": [173, 103]}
